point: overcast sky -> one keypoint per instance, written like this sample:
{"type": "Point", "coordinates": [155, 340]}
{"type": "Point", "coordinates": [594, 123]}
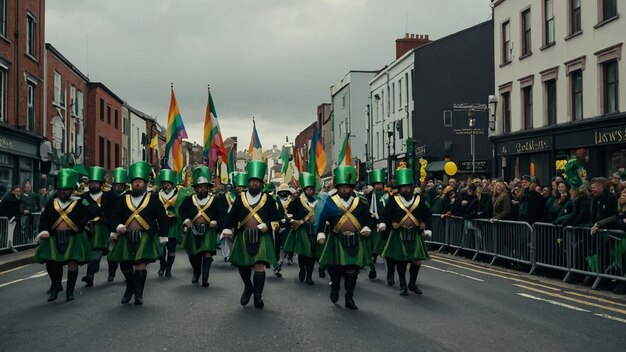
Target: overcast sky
{"type": "Point", "coordinates": [274, 60]}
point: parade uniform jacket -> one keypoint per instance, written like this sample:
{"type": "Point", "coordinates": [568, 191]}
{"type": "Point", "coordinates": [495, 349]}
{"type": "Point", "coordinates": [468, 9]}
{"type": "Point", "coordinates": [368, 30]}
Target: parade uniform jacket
{"type": "Point", "coordinates": [406, 244]}
{"type": "Point", "coordinates": [302, 238]}
{"type": "Point", "coordinates": [100, 211]}
{"type": "Point", "coordinates": [377, 239]}
{"type": "Point", "coordinates": [213, 210]}
{"type": "Point", "coordinates": [172, 215]}
{"type": "Point", "coordinates": [73, 245]}
{"type": "Point", "coordinates": [248, 251]}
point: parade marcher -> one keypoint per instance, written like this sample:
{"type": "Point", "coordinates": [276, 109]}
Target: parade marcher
{"type": "Point", "coordinates": [168, 195]}
{"type": "Point", "coordinates": [240, 182]}
{"type": "Point", "coordinates": [134, 221]}
{"type": "Point", "coordinates": [283, 199]}
{"type": "Point", "coordinates": [100, 205]}
{"type": "Point", "coordinates": [350, 220]}
{"type": "Point", "coordinates": [120, 187]}
{"type": "Point", "coordinates": [302, 239]}
{"type": "Point", "coordinates": [377, 200]}
{"type": "Point", "coordinates": [62, 236]}
{"type": "Point", "coordinates": [408, 215]}
{"type": "Point", "coordinates": [251, 216]}
{"type": "Point", "coordinates": [203, 214]}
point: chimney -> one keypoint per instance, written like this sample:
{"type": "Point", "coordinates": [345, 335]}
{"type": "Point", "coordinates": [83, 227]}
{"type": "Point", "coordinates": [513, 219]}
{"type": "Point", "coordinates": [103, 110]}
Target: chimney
{"type": "Point", "coordinates": [409, 42]}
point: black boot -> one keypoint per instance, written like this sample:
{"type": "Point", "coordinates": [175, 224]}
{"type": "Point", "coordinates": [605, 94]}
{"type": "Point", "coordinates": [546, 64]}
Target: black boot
{"type": "Point", "coordinates": [130, 286]}
{"type": "Point", "coordinates": [391, 267]}
{"type": "Point", "coordinates": [309, 265]}
{"type": "Point", "coordinates": [350, 279]}
{"type": "Point", "coordinates": [413, 271]}
{"type": "Point", "coordinates": [112, 270]}
{"type": "Point", "coordinates": [259, 282]}
{"type": "Point", "coordinates": [72, 275]}
{"type": "Point", "coordinates": [248, 290]}
{"type": "Point", "coordinates": [321, 272]}
{"type": "Point", "coordinates": [195, 265]}
{"type": "Point", "coordinates": [162, 265]}
{"type": "Point", "coordinates": [372, 273]}
{"type": "Point", "coordinates": [56, 276]}
{"type": "Point", "coordinates": [88, 280]}
{"type": "Point", "coordinates": [401, 267]}
{"type": "Point", "coordinates": [302, 267]}
{"type": "Point", "coordinates": [335, 282]}
{"type": "Point", "coordinates": [140, 281]}
{"type": "Point", "coordinates": [206, 267]}
{"type": "Point", "coordinates": [169, 264]}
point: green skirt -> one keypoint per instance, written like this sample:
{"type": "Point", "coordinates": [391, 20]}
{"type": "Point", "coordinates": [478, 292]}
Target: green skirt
{"type": "Point", "coordinates": [397, 249]}
{"type": "Point", "coordinates": [100, 237]}
{"type": "Point", "coordinates": [78, 249]}
{"type": "Point", "coordinates": [147, 249]}
{"type": "Point", "coordinates": [298, 241]}
{"type": "Point", "coordinates": [378, 243]}
{"type": "Point", "coordinates": [195, 244]}
{"type": "Point", "coordinates": [176, 231]}
{"type": "Point", "coordinates": [336, 254]}
{"type": "Point", "coordinates": [241, 256]}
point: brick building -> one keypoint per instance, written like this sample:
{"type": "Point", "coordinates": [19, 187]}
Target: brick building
{"type": "Point", "coordinates": [303, 143]}
{"type": "Point", "coordinates": [21, 91]}
{"type": "Point", "coordinates": [104, 127]}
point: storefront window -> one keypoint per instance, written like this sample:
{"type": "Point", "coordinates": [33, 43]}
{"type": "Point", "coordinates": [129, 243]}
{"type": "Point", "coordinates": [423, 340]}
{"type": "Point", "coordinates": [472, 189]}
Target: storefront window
{"type": "Point", "coordinates": [6, 173]}
{"type": "Point", "coordinates": [26, 170]}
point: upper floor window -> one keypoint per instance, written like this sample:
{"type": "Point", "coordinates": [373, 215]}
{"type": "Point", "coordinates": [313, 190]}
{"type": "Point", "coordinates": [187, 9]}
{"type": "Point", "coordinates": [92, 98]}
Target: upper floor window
{"type": "Point", "coordinates": [78, 104]}
{"type": "Point", "coordinates": [527, 108]}
{"type": "Point", "coordinates": [609, 9]}
{"type": "Point", "coordinates": [610, 83]}
{"type": "Point", "coordinates": [550, 87]}
{"type": "Point", "coordinates": [31, 35]}
{"type": "Point", "coordinates": [30, 107]}
{"type": "Point", "coordinates": [576, 94]}
{"type": "Point", "coordinates": [506, 42]}
{"type": "Point", "coordinates": [101, 109]}
{"type": "Point", "coordinates": [3, 93]}
{"type": "Point", "coordinates": [109, 114]}
{"type": "Point", "coordinates": [575, 17]}
{"type": "Point", "coordinates": [447, 118]}
{"type": "Point", "coordinates": [3, 18]}
{"type": "Point", "coordinates": [548, 11]}
{"type": "Point", "coordinates": [526, 33]}
{"type": "Point", "coordinates": [57, 88]}
{"type": "Point", "coordinates": [506, 112]}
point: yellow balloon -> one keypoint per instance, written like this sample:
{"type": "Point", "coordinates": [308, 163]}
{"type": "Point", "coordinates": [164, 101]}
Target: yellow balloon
{"type": "Point", "coordinates": [450, 168]}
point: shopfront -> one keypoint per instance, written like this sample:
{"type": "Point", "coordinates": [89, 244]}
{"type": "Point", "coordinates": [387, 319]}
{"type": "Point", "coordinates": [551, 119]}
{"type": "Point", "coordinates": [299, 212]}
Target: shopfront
{"type": "Point", "coordinates": [19, 159]}
{"type": "Point", "coordinates": [526, 156]}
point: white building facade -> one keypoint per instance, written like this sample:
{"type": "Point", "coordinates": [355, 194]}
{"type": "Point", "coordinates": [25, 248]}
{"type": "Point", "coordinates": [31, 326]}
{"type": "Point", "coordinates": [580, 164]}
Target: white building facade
{"type": "Point", "coordinates": [137, 140]}
{"type": "Point", "coordinates": [558, 87]}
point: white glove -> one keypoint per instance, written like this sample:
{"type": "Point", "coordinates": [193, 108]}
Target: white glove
{"type": "Point", "coordinates": [382, 227]}
{"type": "Point", "coordinates": [113, 236]}
{"type": "Point", "coordinates": [187, 223]}
{"type": "Point", "coordinates": [226, 233]}
{"type": "Point", "coordinates": [428, 234]}
{"type": "Point", "coordinates": [262, 227]}
{"type": "Point", "coordinates": [321, 237]}
{"type": "Point", "coordinates": [366, 231]}
{"type": "Point", "coordinates": [120, 228]}
{"type": "Point", "coordinates": [213, 224]}
{"type": "Point", "coordinates": [163, 240]}
{"type": "Point", "coordinates": [42, 235]}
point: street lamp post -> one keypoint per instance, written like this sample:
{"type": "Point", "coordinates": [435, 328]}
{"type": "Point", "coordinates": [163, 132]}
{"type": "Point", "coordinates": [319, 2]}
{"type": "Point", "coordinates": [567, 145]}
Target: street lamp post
{"type": "Point", "coordinates": [472, 121]}
{"type": "Point", "coordinates": [389, 135]}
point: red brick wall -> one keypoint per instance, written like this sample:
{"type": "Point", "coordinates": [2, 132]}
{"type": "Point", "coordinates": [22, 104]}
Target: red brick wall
{"type": "Point", "coordinates": [97, 127]}
{"type": "Point", "coordinates": [302, 143]}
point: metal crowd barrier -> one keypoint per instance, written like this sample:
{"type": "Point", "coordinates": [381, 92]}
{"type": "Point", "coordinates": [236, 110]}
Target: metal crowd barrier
{"type": "Point", "coordinates": [439, 236]}
{"type": "Point", "coordinates": [551, 247]}
{"type": "Point", "coordinates": [461, 234]}
{"type": "Point", "coordinates": [29, 229]}
{"type": "Point", "coordinates": [4, 233]}
{"type": "Point", "coordinates": [486, 238]}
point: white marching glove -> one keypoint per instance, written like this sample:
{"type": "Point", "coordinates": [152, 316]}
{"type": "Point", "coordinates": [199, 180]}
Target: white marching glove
{"type": "Point", "coordinates": [428, 234]}
{"type": "Point", "coordinates": [213, 224]}
{"type": "Point", "coordinates": [226, 233]}
{"type": "Point", "coordinates": [366, 231]}
{"type": "Point", "coordinates": [113, 236]}
{"type": "Point", "coordinates": [42, 235]}
{"type": "Point", "coordinates": [187, 223]}
{"type": "Point", "coordinates": [382, 227]}
{"type": "Point", "coordinates": [120, 228]}
{"type": "Point", "coordinates": [163, 240]}
{"type": "Point", "coordinates": [321, 237]}
{"type": "Point", "coordinates": [262, 227]}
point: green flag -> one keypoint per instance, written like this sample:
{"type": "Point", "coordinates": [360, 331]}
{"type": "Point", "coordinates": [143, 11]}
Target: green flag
{"type": "Point", "coordinates": [284, 159]}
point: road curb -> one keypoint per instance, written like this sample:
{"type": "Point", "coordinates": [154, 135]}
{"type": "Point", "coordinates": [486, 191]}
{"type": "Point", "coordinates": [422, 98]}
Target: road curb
{"type": "Point", "coordinates": [14, 260]}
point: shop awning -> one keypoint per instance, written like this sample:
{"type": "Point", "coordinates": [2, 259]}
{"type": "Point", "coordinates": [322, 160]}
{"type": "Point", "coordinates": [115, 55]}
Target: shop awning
{"type": "Point", "coordinates": [435, 166]}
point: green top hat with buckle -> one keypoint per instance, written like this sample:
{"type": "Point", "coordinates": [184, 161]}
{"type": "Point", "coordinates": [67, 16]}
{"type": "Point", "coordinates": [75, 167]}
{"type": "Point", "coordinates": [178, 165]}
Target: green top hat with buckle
{"type": "Point", "coordinates": [140, 169]}
{"type": "Point", "coordinates": [345, 175]}
{"type": "Point", "coordinates": [67, 179]}
{"type": "Point", "coordinates": [307, 180]}
{"type": "Point", "coordinates": [167, 175]}
{"type": "Point", "coordinates": [404, 177]}
{"type": "Point", "coordinates": [241, 179]}
{"type": "Point", "coordinates": [120, 175]}
{"type": "Point", "coordinates": [201, 176]}
{"type": "Point", "coordinates": [377, 176]}
{"type": "Point", "coordinates": [256, 169]}
{"type": "Point", "coordinates": [96, 173]}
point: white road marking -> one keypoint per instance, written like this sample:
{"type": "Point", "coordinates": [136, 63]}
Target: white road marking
{"type": "Point", "coordinates": [553, 302]}
{"type": "Point", "coordinates": [18, 268]}
{"type": "Point", "coordinates": [34, 276]}
{"type": "Point", "coordinates": [610, 317]}
{"type": "Point", "coordinates": [453, 272]}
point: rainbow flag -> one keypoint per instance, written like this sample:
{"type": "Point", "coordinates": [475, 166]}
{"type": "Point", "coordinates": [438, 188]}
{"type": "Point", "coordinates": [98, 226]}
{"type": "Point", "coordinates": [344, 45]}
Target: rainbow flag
{"type": "Point", "coordinates": [174, 137]}
{"type": "Point", "coordinates": [213, 142]}
{"type": "Point", "coordinates": [317, 156]}
{"type": "Point", "coordinates": [255, 149]}
{"type": "Point", "coordinates": [344, 155]}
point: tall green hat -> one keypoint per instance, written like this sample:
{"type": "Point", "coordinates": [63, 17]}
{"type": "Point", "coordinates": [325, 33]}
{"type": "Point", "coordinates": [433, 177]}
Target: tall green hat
{"type": "Point", "coordinates": [269, 187]}
{"type": "Point", "coordinates": [241, 179]}
{"type": "Point", "coordinates": [96, 173]}
{"type": "Point", "coordinates": [572, 173]}
{"type": "Point", "coordinates": [120, 175]}
{"type": "Point", "coordinates": [345, 175]}
{"type": "Point", "coordinates": [67, 179]}
{"type": "Point", "coordinates": [167, 175]}
{"type": "Point", "coordinates": [201, 175]}
{"type": "Point", "coordinates": [404, 177]}
{"type": "Point", "coordinates": [140, 169]}
{"type": "Point", "coordinates": [256, 169]}
{"type": "Point", "coordinates": [376, 176]}
{"type": "Point", "coordinates": [81, 169]}
{"type": "Point", "coordinates": [307, 180]}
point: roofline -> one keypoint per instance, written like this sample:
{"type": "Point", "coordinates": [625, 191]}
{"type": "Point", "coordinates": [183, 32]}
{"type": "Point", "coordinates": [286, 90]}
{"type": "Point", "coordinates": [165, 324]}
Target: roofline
{"type": "Point", "coordinates": [139, 113]}
{"type": "Point", "coordinates": [453, 34]}
{"type": "Point", "coordinates": [106, 89]}
{"type": "Point", "coordinates": [67, 62]}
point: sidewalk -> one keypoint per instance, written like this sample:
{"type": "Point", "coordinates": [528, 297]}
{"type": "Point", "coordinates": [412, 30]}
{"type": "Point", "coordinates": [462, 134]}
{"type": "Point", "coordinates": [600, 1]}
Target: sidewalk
{"type": "Point", "coordinates": [13, 260]}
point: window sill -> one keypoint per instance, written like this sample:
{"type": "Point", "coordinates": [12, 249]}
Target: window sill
{"type": "Point", "coordinates": [5, 38]}
{"type": "Point", "coordinates": [573, 35]}
{"type": "Point", "coordinates": [549, 45]}
{"type": "Point", "coordinates": [522, 57]}
{"type": "Point", "coordinates": [505, 63]}
{"type": "Point", "coordinates": [602, 23]}
{"type": "Point", "coordinates": [31, 57]}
